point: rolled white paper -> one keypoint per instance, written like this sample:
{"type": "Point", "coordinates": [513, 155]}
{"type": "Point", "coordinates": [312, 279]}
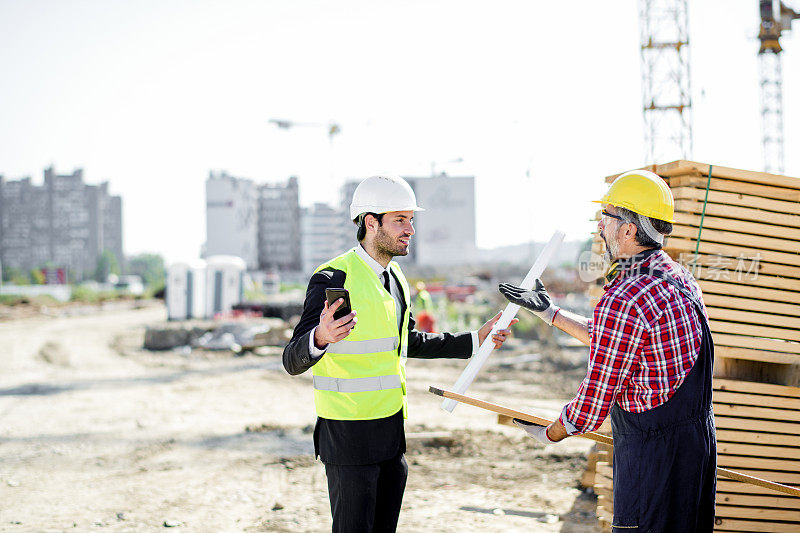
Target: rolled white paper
{"type": "Point", "coordinates": [475, 364]}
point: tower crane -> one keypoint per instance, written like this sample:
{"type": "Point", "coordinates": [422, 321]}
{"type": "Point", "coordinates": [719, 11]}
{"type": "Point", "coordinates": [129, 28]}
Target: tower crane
{"type": "Point", "coordinates": [666, 85]}
{"type": "Point", "coordinates": [776, 17]}
{"type": "Point", "coordinates": [332, 127]}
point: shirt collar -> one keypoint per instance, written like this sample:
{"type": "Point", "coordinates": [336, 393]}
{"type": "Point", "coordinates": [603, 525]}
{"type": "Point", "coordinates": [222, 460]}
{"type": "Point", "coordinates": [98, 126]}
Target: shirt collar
{"type": "Point", "coordinates": [623, 267]}
{"type": "Point", "coordinates": [374, 265]}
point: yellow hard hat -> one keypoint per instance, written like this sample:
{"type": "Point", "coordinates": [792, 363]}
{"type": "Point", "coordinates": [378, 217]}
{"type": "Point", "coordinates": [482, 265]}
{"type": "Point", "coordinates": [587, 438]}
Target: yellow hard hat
{"type": "Point", "coordinates": [642, 192]}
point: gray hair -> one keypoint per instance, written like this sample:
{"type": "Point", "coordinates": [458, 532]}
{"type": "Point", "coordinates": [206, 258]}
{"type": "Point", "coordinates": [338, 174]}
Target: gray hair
{"type": "Point", "coordinates": [650, 231]}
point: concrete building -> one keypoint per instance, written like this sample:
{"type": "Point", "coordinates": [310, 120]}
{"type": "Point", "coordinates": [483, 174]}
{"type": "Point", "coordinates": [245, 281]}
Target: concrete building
{"type": "Point", "coordinates": [279, 240]}
{"type": "Point", "coordinates": [446, 229]}
{"type": "Point", "coordinates": [232, 218]}
{"type": "Point", "coordinates": [64, 221]}
{"type": "Point", "coordinates": [324, 235]}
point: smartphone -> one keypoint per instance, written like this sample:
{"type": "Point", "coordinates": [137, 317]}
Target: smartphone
{"type": "Point", "coordinates": [334, 294]}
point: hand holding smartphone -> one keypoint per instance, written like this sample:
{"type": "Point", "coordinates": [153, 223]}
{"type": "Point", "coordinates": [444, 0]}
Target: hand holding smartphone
{"type": "Point", "coordinates": [334, 294]}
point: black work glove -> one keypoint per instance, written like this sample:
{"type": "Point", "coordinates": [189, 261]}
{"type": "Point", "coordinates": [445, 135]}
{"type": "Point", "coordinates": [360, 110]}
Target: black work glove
{"type": "Point", "coordinates": [536, 300]}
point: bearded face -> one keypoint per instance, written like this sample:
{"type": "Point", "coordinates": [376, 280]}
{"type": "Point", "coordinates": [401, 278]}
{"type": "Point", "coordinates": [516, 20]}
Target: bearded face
{"type": "Point", "coordinates": [394, 234]}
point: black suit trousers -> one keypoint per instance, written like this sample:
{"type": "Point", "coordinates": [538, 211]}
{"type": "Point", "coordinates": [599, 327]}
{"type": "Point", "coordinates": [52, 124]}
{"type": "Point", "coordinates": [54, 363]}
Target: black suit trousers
{"type": "Point", "coordinates": [367, 498]}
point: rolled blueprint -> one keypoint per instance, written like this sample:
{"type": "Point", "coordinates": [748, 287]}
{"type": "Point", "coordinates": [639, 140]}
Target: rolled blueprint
{"type": "Point", "coordinates": [475, 364]}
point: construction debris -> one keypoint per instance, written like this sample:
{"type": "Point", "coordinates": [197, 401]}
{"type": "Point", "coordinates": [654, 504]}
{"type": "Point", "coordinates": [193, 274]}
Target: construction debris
{"type": "Point", "coordinates": [209, 335]}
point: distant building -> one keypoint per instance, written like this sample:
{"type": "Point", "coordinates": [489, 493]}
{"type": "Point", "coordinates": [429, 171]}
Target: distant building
{"type": "Point", "coordinates": [64, 222]}
{"type": "Point", "coordinates": [232, 207]}
{"type": "Point", "coordinates": [279, 241]}
{"type": "Point", "coordinates": [446, 229]}
{"type": "Point", "coordinates": [323, 235]}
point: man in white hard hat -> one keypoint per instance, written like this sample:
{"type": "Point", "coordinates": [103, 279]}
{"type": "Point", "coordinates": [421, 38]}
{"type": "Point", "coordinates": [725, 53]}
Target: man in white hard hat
{"type": "Point", "coordinates": [358, 360]}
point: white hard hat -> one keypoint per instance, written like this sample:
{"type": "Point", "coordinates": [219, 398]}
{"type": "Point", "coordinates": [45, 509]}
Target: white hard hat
{"type": "Point", "coordinates": [382, 194]}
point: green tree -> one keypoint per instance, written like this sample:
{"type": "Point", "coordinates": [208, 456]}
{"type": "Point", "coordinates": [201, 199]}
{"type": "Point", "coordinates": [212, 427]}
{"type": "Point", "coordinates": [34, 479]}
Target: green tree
{"type": "Point", "coordinates": [15, 275]}
{"type": "Point", "coordinates": [107, 264]}
{"type": "Point", "coordinates": [149, 267]}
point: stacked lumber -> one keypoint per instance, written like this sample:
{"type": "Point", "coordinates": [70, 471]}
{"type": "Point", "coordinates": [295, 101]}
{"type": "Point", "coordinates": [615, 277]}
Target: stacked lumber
{"type": "Point", "coordinates": [757, 434]}
{"type": "Point", "coordinates": [604, 486]}
{"type": "Point", "coordinates": [752, 439]}
{"type": "Point", "coordinates": [748, 258]}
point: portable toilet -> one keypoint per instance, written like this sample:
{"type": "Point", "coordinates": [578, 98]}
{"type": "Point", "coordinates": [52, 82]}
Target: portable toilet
{"type": "Point", "coordinates": [186, 290]}
{"type": "Point", "coordinates": [224, 283]}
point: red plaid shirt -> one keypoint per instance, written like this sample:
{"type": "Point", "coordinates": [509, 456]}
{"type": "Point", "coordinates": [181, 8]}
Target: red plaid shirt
{"type": "Point", "coordinates": [645, 337]}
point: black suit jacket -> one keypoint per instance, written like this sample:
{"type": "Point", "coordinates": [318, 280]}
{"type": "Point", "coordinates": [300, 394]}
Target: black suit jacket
{"type": "Point", "coordinates": [353, 442]}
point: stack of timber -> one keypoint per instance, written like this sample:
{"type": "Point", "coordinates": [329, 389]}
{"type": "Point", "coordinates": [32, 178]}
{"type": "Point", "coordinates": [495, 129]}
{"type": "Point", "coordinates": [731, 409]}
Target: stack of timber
{"type": "Point", "coordinates": [604, 486]}
{"type": "Point", "coordinates": [738, 231]}
{"type": "Point", "coordinates": [757, 434]}
{"type": "Point", "coordinates": [752, 439]}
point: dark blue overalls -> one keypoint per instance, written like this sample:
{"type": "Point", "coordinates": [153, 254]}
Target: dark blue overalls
{"type": "Point", "coordinates": [665, 459]}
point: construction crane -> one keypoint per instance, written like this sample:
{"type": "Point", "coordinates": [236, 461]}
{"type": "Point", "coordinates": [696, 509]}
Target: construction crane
{"type": "Point", "coordinates": [776, 17]}
{"type": "Point", "coordinates": [666, 85]}
{"type": "Point", "coordinates": [332, 127]}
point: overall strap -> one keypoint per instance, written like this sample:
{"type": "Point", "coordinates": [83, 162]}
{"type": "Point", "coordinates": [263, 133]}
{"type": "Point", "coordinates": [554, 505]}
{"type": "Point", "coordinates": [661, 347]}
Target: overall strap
{"type": "Point", "coordinates": [660, 274]}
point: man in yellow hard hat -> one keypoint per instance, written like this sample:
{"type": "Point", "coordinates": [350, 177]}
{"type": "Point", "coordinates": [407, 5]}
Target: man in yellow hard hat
{"type": "Point", "coordinates": [359, 369]}
{"type": "Point", "coordinates": [650, 367]}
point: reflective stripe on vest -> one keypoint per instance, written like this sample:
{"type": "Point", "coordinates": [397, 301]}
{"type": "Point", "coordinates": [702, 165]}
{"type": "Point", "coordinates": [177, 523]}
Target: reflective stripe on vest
{"type": "Point", "coordinates": [387, 344]}
{"type": "Point", "coordinates": [374, 383]}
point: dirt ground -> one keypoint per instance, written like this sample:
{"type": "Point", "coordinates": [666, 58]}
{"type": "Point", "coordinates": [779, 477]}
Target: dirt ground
{"type": "Point", "coordinates": [98, 434]}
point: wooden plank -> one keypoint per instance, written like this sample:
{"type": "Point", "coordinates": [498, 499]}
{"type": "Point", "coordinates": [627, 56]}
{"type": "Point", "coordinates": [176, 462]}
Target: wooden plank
{"type": "Point", "coordinates": [747, 317]}
{"type": "Point", "coordinates": [725, 272]}
{"type": "Point", "coordinates": [760, 242]}
{"type": "Point", "coordinates": [685, 167]}
{"type": "Point", "coordinates": [756, 388]}
{"type": "Point", "coordinates": [730, 486]}
{"type": "Point", "coordinates": [732, 524]}
{"type": "Point", "coordinates": [737, 187]}
{"type": "Point", "coordinates": [787, 478]}
{"type": "Point", "coordinates": [604, 514]}
{"type": "Point", "coordinates": [739, 398]}
{"type": "Point", "coordinates": [750, 437]}
{"type": "Point", "coordinates": [680, 244]}
{"type": "Point", "coordinates": [499, 409]}
{"type": "Point", "coordinates": [756, 355]}
{"type": "Point", "coordinates": [754, 330]}
{"type": "Point", "coordinates": [755, 450]}
{"type": "Point", "coordinates": [739, 226]}
{"type": "Point", "coordinates": [757, 513]}
{"type": "Point", "coordinates": [764, 413]}
{"type": "Point", "coordinates": [739, 200]}
{"type": "Point", "coordinates": [723, 421]}
{"type": "Point", "coordinates": [755, 500]}
{"type": "Point", "coordinates": [738, 213]}
{"type": "Point", "coordinates": [739, 266]}
{"type": "Point", "coordinates": [737, 302]}
{"type": "Point", "coordinates": [739, 462]}
{"type": "Point", "coordinates": [741, 341]}
{"type": "Point", "coordinates": [746, 291]}
{"type": "Point", "coordinates": [606, 503]}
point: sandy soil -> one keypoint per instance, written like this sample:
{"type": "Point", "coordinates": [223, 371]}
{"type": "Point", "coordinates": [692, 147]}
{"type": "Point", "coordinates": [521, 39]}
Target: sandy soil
{"type": "Point", "coordinates": [97, 434]}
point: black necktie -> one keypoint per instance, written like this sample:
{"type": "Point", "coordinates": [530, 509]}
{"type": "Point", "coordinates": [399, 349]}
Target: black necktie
{"type": "Point", "coordinates": [386, 281]}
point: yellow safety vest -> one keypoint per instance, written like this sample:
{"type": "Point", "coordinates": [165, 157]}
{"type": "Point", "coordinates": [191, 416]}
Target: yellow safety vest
{"type": "Point", "coordinates": [363, 376]}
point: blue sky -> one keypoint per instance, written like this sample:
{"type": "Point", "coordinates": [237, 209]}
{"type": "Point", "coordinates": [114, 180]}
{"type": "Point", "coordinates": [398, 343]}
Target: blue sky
{"type": "Point", "coordinates": [152, 95]}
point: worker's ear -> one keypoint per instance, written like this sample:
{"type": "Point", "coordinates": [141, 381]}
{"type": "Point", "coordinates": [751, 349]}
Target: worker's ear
{"type": "Point", "coordinates": [630, 231]}
{"type": "Point", "coordinates": [371, 223]}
